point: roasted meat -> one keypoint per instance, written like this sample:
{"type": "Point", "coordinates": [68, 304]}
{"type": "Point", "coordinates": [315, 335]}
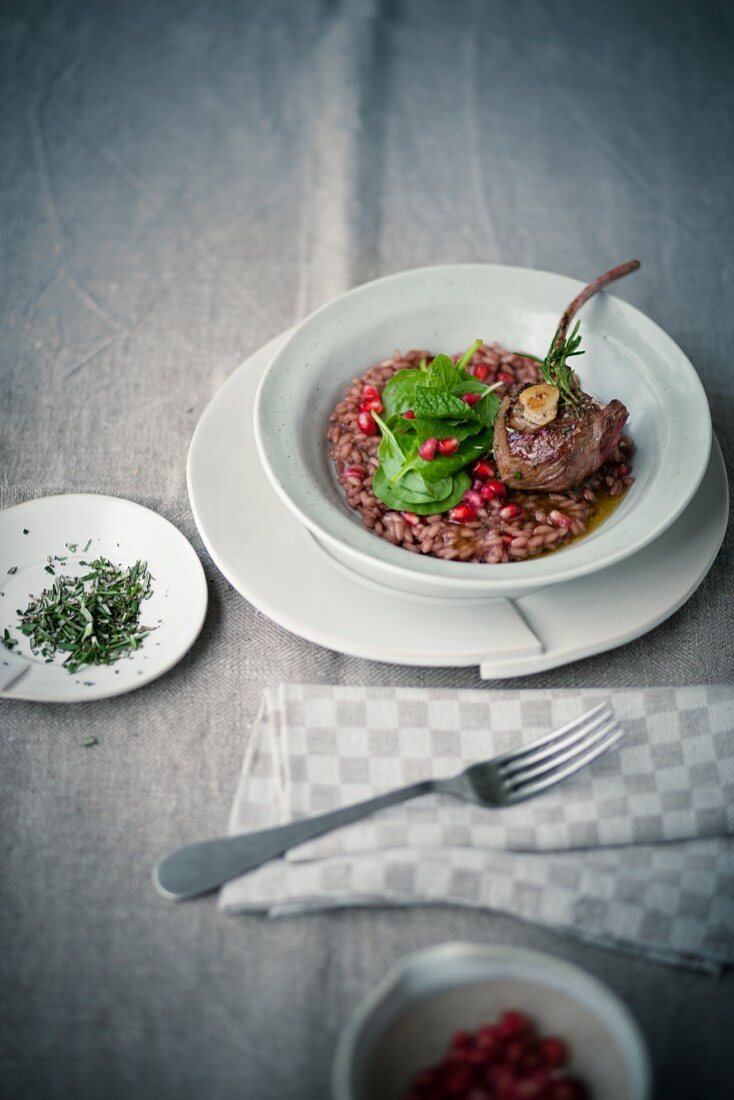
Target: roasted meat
{"type": "Point", "coordinates": [559, 455]}
{"type": "Point", "coordinates": [552, 436]}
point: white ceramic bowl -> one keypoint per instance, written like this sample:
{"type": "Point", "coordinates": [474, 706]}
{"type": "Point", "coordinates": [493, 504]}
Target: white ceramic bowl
{"type": "Point", "coordinates": [407, 1021]}
{"type": "Point", "coordinates": [445, 309]}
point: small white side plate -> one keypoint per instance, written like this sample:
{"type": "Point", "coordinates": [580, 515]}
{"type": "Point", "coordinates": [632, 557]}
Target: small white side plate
{"type": "Point", "coordinates": [124, 532]}
{"type": "Point", "coordinates": [273, 561]}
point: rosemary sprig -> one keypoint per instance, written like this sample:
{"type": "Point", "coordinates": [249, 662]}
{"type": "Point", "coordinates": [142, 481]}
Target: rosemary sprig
{"type": "Point", "coordinates": [555, 369]}
{"type": "Point", "coordinates": [93, 618]}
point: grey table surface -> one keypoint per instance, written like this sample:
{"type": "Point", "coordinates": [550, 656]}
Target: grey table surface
{"type": "Point", "coordinates": [179, 182]}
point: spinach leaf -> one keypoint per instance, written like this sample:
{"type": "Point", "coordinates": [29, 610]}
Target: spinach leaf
{"type": "Point", "coordinates": [392, 496]}
{"type": "Point", "coordinates": [397, 396]}
{"type": "Point", "coordinates": [444, 429]}
{"type": "Point", "coordinates": [442, 465]}
{"type": "Point", "coordinates": [487, 408]}
{"type": "Point", "coordinates": [390, 452]}
{"type": "Point", "coordinates": [398, 454]}
{"type": "Point", "coordinates": [416, 489]}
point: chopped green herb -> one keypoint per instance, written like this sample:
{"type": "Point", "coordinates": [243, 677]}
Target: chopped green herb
{"type": "Point", "coordinates": [72, 547]}
{"type": "Point", "coordinates": [518, 475]}
{"type": "Point", "coordinates": [94, 618]}
{"type": "Point", "coordinates": [89, 741]}
{"type": "Point", "coordinates": [26, 531]}
{"type": "Point", "coordinates": [50, 569]}
{"type": "Point", "coordinates": [8, 641]}
{"type": "Point", "coordinates": [13, 569]}
{"type": "Point", "coordinates": [555, 369]}
{"type": "Point", "coordinates": [86, 546]}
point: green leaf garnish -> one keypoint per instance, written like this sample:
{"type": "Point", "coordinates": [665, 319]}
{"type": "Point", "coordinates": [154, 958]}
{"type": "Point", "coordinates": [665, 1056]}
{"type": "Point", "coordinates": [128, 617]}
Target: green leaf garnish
{"type": "Point", "coordinates": [555, 369]}
{"type": "Point", "coordinates": [404, 480]}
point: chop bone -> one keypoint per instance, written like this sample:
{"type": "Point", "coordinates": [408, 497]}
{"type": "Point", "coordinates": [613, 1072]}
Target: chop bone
{"type": "Point", "coordinates": [588, 292]}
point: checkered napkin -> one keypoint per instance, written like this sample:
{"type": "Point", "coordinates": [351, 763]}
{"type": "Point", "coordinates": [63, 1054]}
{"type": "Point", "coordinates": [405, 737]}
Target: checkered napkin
{"type": "Point", "coordinates": [635, 851]}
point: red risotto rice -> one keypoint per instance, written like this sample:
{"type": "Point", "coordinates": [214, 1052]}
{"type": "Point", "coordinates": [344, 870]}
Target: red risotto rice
{"type": "Point", "coordinates": [511, 527]}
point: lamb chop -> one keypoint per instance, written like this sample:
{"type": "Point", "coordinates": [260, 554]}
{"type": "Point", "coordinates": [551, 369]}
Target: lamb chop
{"type": "Point", "coordinates": [552, 436]}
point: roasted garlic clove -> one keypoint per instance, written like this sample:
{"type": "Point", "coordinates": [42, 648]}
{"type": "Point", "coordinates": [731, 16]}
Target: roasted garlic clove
{"type": "Point", "coordinates": [539, 404]}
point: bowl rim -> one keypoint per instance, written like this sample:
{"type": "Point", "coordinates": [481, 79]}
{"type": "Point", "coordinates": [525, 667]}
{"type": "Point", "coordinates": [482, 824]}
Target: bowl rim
{"type": "Point", "coordinates": [614, 1013]}
{"type": "Point", "coordinates": [362, 546]}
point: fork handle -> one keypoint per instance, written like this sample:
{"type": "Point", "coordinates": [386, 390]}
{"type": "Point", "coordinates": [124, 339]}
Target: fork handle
{"type": "Point", "coordinates": [198, 868]}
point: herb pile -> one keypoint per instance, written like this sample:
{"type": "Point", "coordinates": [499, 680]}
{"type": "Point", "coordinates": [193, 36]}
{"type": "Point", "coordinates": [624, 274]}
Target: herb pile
{"type": "Point", "coordinates": [435, 422]}
{"type": "Point", "coordinates": [555, 369]}
{"type": "Point", "coordinates": [94, 618]}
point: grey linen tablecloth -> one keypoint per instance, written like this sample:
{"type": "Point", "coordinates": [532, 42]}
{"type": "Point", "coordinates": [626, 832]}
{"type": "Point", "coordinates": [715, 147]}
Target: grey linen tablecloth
{"type": "Point", "coordinates": [179, 182]}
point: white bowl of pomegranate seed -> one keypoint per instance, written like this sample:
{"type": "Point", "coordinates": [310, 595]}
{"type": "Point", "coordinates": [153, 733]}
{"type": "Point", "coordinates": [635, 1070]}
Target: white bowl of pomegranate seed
{"type": "Point", "coordinates": [475, 462]}
{"type": "Point", "coordinates": [486, 1022]}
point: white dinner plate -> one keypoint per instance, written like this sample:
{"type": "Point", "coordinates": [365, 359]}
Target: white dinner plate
{"type": "Point", "coordinates": [123, 532]}
{"type": "Point", "coordinates": [272, 560]}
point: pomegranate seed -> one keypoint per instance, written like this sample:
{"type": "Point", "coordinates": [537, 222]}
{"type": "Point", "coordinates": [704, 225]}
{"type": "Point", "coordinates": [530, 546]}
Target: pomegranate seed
{"type": "Point", "coordinates": [372, 403]}
{"type": "Point", "coordinates": [534, 1086]}
{"type": "Point", "coordinates": [501, 1079]}
{"type": "Point", "coordinates": [473, 498]}
{"type": "Point", "coordinates": [411, 518]}
{"type": "Point", "coordinates": [503, 376]}
{"type": "Point", "coordinates": [487, 492]}
{"type": "Point", "coordinates": [488, 1038]}
{"type": "Point", "coordinates": [458, 1081]}
{"type": "Point", "coordinates": [424, 1079]}
{"type": "Point", "coordinates": [427, 450]}
{"type": "Point", "coordinates": [502, 1061]}
{"type": "Point", "coordinates": [408, 415]}
{"type": "Point", "coordinates": [553, 1051]}
{"type": "Point", "coordinates": [532, 1061]}
{"type": "Point", "coordinates": [354, 471]}
{"type": "Point", "coordinates": [481, 371]}
{"type": "Point", "coordinates": [366, 423]}
{"type": "Point", "coordinates": [483, 469]}
{"type": "Point", "coordinates": [510, 511]}
{"type": "Point", "coordinates": [463, 513]}
{"type": "Point", "coordinates": [449, 445]}
{"type": "Point", "coordinates": [369, 393]}
{"type": "Point", "coordinates": [500, 489]}
{"type": "Point", "coordinates": [567, 1088]}
{"type": "Point", "coordinates": [474, 1057]}
{"type": "Point", "coordinates": [477, 484]}
{"type": "Point", "coordinates": [623, 470]}
{"type": "Point", "coordinates": [514, 1023]}
{"type": "Point", "coordinates": [516, 1050]}
{"type": "Point", "coordinates": [558, 519]}
{"type": "Point", "coordinates": [471, 398]}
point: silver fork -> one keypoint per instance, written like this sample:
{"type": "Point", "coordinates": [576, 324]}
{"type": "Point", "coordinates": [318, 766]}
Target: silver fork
{"type": "Point", "coordinates": [505, 780]}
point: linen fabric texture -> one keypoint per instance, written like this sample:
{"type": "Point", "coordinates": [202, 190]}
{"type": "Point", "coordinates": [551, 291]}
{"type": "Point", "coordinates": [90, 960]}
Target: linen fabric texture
{"type": "Point", "coordinates": [634, 851]}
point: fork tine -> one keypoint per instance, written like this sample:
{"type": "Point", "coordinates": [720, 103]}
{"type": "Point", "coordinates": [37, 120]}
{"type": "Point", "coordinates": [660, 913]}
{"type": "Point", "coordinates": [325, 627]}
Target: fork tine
{"type": "Point", "coordinates": [547, 746]}
{"type": "Point", "coordinates": [556, 776]}
{"type": "Point", "coordinates": [554, 759]}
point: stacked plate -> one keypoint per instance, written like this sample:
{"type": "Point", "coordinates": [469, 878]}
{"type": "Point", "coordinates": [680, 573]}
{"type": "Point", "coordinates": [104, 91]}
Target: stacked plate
{"type": "Point", "coordinates": [275, 522]}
